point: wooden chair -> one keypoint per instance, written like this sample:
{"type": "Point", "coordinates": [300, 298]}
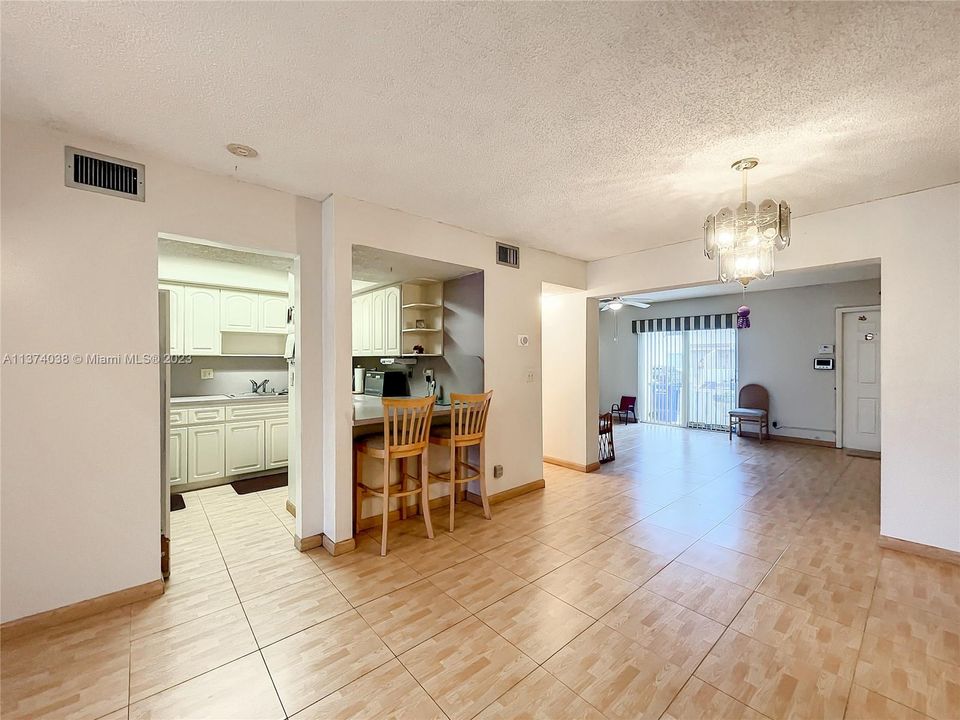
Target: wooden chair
{"type": "Point", "coordinates": [753, 406]}
{"type": "Point", "coordinates": [626, 407]}
{"type": "Point", "coordinates": [605, 438]}
{"type": "Point", "coordinates": [406, 434]}
{"type": "Point", "coordinates": [468, 428]}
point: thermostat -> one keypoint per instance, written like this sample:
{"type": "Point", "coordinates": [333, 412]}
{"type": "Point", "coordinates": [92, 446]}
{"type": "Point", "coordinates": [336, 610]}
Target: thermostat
{"type": "Point", "coordinates": [823, 363]}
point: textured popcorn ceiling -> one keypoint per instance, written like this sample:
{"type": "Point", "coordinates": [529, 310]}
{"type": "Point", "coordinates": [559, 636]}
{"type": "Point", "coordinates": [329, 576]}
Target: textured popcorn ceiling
{"type": "Point", "coordinates": [588, 129]}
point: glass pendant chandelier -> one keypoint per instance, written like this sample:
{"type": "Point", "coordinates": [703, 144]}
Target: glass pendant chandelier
{"type": "Point", "coordinates": [744, 241]}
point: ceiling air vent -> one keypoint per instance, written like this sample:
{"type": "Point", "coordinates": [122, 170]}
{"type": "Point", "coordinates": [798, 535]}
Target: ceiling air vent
{"type": "Point", "coordinates": [508, 255]}
{"type": "Point", "coordinates": [103, 174]}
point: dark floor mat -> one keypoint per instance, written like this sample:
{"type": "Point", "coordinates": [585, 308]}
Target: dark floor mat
{"type": "Point", "coordinates": [268, 482]}
{"type": "Point", "coordinates": [177, 502]}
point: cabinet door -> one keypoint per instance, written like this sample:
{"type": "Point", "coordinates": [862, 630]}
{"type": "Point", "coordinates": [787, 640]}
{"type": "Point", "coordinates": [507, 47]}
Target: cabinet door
{"type": "Point", "coordinates": [244, 447]}
{"type": "Point", "coordinates": [204, 452]}
{"type": "Point", "coordinates": [391, 321]}
{"type": "Point", "coordinates": [176, 317]}
{"type": "Point", "coordinates": [239, 311]}
{"type": "Point", "coordinates": [277, 445]}
{"type": "Point", "coordinates": [366, 324]}
{"type": "Point", "coordinates": [378, 318]}
{"type": "Point", "coordinates": [355, 324]}
{"type": "Point", "coordinates": [201, 321]}
{"type": "Point", "coordinates": [177, 456]}
{"type": "Point", "coordinates": [273, 313]}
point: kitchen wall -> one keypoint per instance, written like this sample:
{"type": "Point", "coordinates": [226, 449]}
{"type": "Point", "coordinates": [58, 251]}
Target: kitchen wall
{"type": "Point", "coordinates": [460, 370]}
{"type": "Point", "coordinates": [230, 375]}
{"type": "Point", "coordinates": [777, 351]}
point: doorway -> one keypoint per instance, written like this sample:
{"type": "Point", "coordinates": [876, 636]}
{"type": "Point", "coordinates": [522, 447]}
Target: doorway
{"type": "Point", "coordinates": [858, 378]}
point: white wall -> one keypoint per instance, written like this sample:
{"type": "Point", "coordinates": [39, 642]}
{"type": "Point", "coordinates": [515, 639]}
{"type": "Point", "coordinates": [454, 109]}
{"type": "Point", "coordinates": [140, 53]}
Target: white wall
{"type": "Point", "coordinates": [777, 351]}
{"type": "Point", "coordinates": [206, 271]}
{"type": "Point", "coordinates": [511, 302]}
{"type": "Point", "coordinates": [80, 445]}
{"type": "Point", "coordinates": [917, 238]}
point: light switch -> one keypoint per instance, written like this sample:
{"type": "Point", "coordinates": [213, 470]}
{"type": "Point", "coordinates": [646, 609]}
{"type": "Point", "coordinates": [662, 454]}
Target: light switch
{"type": "Point", "coordinates": [206, 373]}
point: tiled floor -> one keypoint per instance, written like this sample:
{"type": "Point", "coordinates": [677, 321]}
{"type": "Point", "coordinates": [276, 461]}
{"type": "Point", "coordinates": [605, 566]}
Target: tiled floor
{"type": "Point", "coordinates": [692, 578]}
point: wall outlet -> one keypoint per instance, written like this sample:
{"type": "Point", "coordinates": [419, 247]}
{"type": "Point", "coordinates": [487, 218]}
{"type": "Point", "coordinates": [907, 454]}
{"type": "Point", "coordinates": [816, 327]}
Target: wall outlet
{"type": "Point", "coordinates": [206, 373]}
{"type": "Point", "coordinates": [498, 471]}
{"type": "Point", "coordinates": [776, 424]}
{"type": "Point", "coordinates": [531, 375]}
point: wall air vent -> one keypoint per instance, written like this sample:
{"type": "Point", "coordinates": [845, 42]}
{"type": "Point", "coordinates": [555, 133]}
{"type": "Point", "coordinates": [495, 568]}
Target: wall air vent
{"type": "Point", "coordinates": [103, 174]}
{"type": "Point", "coordinates": [508, 255]}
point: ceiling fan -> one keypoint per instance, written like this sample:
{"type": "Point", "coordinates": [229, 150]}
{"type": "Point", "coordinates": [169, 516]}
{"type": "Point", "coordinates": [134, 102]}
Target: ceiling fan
{"type": "Point", "coordinates": [617, 302]}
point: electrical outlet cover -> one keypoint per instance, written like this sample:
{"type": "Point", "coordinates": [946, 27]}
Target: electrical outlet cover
{"type": "Point", "coordinates": [206, 373]}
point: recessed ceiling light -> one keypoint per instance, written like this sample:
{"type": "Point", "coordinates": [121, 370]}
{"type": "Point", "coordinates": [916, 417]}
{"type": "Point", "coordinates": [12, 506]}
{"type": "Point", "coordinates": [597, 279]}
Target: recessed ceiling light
{"type": "Point", "coordinates": [244, 151]}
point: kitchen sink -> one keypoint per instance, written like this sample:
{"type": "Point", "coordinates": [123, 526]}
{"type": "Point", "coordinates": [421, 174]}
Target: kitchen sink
{"type": "Point", "coordinates": [252, 395]}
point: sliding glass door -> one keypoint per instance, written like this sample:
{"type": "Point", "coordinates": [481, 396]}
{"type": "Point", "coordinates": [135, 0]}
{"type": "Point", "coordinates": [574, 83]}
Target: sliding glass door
{"type": "Point", "coordinates": [688, 378]}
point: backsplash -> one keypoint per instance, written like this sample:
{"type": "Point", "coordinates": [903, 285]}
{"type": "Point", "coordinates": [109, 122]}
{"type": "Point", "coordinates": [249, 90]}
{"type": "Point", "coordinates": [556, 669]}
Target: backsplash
{"type": "Point", "coordinates": [230, 375]}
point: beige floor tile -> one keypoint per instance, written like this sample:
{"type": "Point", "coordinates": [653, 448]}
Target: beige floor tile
{"type": "Point", "coordinates": [605, 521]}
{"type": "Point", "coordinates": [587, 588]}
{"type": "Point", "coordinates": [619, 677]}
{"type": "Point", "coordinates": [626, 561]}
{"type": "Point", "coordinates": [535, 621]}
{"type": "Point", "coordinates": [688, 517]}
{"type": "Point", "coordinates": [928, 587]}
{"type": "Point", "coordinates": [707, 594]}
{"type": "Point", "coordinates": [800, 634]}
{"type": "Point", "coordinates": [656, 539]}
{"type": "Point", "coordinates": [272, 573]}
{"type": "Point", "coordinates": [771, 682]}
{"type": "Point", "coordinates": [481, 535]}
{"type": "Point", "coordinates": [256, 544]}
{"type": "Point", "coordinates": [77, 670]}
{"type": "Point", "coordinates": [466, 667]}
{"type": "Point", "coordinates": [736, 567]}
{"type": "Point", "coordinates": [779, 529]}
{"type": "Point", "coordinates": [746, 541]}
{"type": "Point", "coordinates": [662, 626]}
{"type": "Point", "coordinates": [292, 608]}
{"type": "Point", "coordinates": [477, 583]}
{"type": "Point", "coordinates": [367, 547]}
{"type": "Point", "coordinates": [188, 562]}
{"type": "Point", "coordinates": [183, 602]}
{"type": "Point", "coordinates": [867, 705]}
{"type": "Point", "coordinates": [371, 577]}
{"type": "Point", "coordinates": [819, 596]}
{"type": "Point", "coordinates": [571, 536]}
{"type": "Point", "coordinates": [387, 692]}
{"type": "Point", "coordinates": [920, 682]}
{"type": "Point", "coordinates": [699, 701]}
{"type": "Point", "coordinates": [428, 556]}
{"type": "Point", "coordinates": [323, 658]}
{"type": "Point", "coordinates": [240, 690]}
{"type": "Point", "coordinates": [528, 558]}
{"type": "Point", "coordinates": [540, 696]}
{"type": "Point", "coordinates": [171, 656]}
{"type": "Point", "coordinates": [919, 630]}
{"type": "Point", "coordinates": [408, 616]}
{"type": "Point", "coordinates": [813, 561]}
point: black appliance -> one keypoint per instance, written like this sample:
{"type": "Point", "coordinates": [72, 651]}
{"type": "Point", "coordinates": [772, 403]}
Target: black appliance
{"type": "Point", "coordinates": [390, 383]}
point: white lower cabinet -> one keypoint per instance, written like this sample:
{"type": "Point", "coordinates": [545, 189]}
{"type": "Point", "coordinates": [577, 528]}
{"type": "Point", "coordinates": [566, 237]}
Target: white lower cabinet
{"type": "Point", "coordinates": [205, 452]}
{"type": "Point", "coordinates": [244, 447]}
{"type": "Point", "coordinates": [177, 456]}
{"type": "Point", "coordinates": [276, 443]}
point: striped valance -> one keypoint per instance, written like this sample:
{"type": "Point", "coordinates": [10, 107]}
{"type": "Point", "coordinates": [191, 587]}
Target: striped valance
{"type": "Point", "coordinates": [691, 322]}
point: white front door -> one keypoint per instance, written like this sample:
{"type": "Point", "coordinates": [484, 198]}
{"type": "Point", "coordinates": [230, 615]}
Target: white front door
{"type": "Point", "coordinates": [861, 380]}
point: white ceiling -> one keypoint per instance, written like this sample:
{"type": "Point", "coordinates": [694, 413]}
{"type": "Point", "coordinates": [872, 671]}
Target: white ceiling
{"type": "Point", "coordinates": [373, 266]}
{"type": "Point", "coordinates": [590, 129]}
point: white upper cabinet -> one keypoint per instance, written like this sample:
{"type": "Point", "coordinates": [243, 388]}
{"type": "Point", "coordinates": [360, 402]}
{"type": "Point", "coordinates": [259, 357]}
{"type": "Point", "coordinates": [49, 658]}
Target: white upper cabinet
{"type": "Point", "coordinates": [379, 322]}
{"type": "Point", "coordinates": [176, 317]}
{"type": "Point", "coordinates": [391, 321]}
{"type": "Point", "coordinates": [201, 321]}
{"type": "Point", "coordinates": [239, 311]}
{"type": "Point", "coordinates": [273, 313]}
{"type": "Point", "coordinates": [365, 344]}
{"type": "Point", "coordinates": [355, 318]}
{"type": "Point", "coordinates": [376, 322]}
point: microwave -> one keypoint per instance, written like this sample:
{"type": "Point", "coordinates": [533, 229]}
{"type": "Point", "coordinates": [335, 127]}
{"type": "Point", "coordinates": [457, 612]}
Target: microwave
{"type": "Point", "coordinates": [389, 383]}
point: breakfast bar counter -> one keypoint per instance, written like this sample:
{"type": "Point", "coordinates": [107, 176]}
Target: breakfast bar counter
{"type": "Point", "coordinates": [368, 413]}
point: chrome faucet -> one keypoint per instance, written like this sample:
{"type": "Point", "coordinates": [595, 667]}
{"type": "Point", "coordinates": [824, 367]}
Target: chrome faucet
{"type": "Point", "coordinates": [259, 387]}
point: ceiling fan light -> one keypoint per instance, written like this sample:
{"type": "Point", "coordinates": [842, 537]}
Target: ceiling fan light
{"type": "Point", "coordinates": [615, 304]}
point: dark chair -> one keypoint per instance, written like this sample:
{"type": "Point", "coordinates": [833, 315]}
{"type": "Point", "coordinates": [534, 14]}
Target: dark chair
{"type": "Point", "coordinates": [625, 408]}
{"type": "Point", "coordinates": [606, 438]}
{"type": "Point", "coordinates": [753, 406]}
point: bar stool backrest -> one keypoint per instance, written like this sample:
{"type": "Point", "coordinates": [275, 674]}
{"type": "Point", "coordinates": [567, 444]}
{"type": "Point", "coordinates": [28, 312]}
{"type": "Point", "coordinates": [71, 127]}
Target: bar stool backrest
{"type": "Point", "coordinates": [406, 425]}
{"type": "Point", "coordinates": [468, 417]}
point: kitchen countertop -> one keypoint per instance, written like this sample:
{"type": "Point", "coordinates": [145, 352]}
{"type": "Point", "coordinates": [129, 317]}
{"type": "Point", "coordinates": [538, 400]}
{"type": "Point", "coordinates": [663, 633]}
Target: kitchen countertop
{"type": "Point", "coordinates": [368, 410]}
{"type": "Point", "coordinates": [225, 399]}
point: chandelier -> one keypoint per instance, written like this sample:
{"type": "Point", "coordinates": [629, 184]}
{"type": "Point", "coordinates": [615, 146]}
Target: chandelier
{"type": "Point", "coordinates": [744, 241]}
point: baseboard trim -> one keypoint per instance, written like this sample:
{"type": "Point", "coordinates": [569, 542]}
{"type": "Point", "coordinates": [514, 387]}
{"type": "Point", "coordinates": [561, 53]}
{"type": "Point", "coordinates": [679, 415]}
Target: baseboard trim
{"type": "Point", "coordinates": [509, 493]}
{"type": "Point", "coordinates": [571, 465]}
{"type": "Point", "coordinates": [792, 439]}
{"type": "Point", "coordinates": [927, 551]}
{"type": "Point", "coordinates": [79, 610]}
{"type": "Point", "coordinates": [869, 454]}
{"type": "Point", "coordinates": [291, 508]}
{"type": "Point", "coordinates": [308, 543]}
{"type": "Point", "coordinates": [339, 548]}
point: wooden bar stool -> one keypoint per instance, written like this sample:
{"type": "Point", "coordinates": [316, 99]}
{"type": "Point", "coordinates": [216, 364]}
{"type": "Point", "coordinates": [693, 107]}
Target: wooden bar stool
{"type": "Point", "coordinates": [468, 427]}
{"type": "Point", "coordinates": [406, 433]}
